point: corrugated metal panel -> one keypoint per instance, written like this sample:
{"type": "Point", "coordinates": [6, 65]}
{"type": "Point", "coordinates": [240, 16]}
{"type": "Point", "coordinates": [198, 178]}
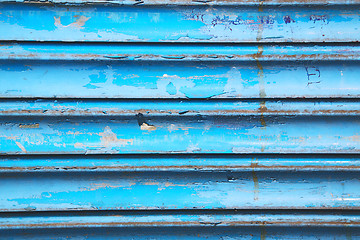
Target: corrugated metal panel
{"type": "Point", "coordinates": [179, 119]}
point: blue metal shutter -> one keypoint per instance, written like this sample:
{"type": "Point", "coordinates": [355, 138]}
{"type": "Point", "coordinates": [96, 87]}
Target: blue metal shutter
{"type": "Point", "coordinates": [179, 119]}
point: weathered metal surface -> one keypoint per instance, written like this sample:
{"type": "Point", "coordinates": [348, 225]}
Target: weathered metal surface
{"type": "Point", "coordinates": [210, 232]}
{"type": "Point", "coordinates": [178, 163]}
{"type": "Point", "coordinates": [219, 219]}
{"type": "Point", "coordinates": [178, 24]}
{"type": "Point", "coordinates": [183, 119]}
{"type": "Point", "coordinates": [177, 52]}
{"type": "Point", "coordinates": [179, 190]}
{"type": "Point", "coordinates": [180, 134]}
{"type": "Point", "coordinates": [104, 79]}
{"type": "Point", "coordinates": [192, 2]}
{"type": "Point", "coordinates": [167, 108]}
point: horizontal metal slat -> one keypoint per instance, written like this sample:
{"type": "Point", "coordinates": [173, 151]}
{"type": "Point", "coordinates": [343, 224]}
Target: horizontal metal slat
{"type": "Point", "coordinates": [111, 79]}
{"type": "Point", "coordinates": [178, 163]}
{"type": "Point", "coordinates": [247, 232]}
{"type": "Point", "coordinates": [170, 52]}
{"type": "Point", "coordinates": [180, 134]}
{"type": "Point", "coordinates": [31, 22]}
{"type": "Point", "coordinates": [191, 2]}
{"type": "Point", "coordinates": [178, 190]}
{"type": "Point", "coordinates": [156, 107]}
{"type": "Point", "coordinates": [179, 219]}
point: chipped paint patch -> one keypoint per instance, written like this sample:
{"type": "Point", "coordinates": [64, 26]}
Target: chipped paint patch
{"type": "Point", "coordinates": [109, 139]}
{"type": "Point", "coordinates": [79, 22]}
{"type": "Point", "coordinates": [147, 127]}
{"type": "Point", "coordinates": [36, 125]}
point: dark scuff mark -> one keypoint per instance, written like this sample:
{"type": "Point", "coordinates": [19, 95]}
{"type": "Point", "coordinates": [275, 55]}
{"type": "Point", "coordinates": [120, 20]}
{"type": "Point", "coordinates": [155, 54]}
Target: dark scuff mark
{"type": "Point", "coordinates": [116, 57]}
{"type": "Point", "coordinates": [173, 57]}
{"type": "Point", "coordinates": [183, 112]}
{"type": "Point", "coordinates": [143, 124]}
{"type": "Point", "coordinates": [138, 2]}
{"type": "Point", "coordinates": [140, 118]}
{"type": "Point", "coordinates": [30, 208]}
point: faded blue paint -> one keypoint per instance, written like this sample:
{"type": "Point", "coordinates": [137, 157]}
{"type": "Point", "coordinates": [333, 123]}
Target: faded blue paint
{"type": "Point", "coordinates": [170, 107]}
{"type": "Point", "coordinates": [191, 80]}
{"type": "Point", "coordinates": [176, 52]}
{"type": "Point", "coordinates": [206, 232]}
{"type": "Point", "coordinates": [182, 24]}
{"type": "Point", "coordinates": [117, 107]}
{"type": "Point", "coordinates": [199, 134]}
{"type": "Point", "coordinates": [204, 163]}
{"type": "Point", "coordinates": [186, 190]}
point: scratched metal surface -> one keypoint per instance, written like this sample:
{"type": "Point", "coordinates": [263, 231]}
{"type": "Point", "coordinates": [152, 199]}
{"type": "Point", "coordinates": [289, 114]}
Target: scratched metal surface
{"type": "Point", "coordinates": [178, 23]}
{"type": "Point", "coordinates": [179, 119]}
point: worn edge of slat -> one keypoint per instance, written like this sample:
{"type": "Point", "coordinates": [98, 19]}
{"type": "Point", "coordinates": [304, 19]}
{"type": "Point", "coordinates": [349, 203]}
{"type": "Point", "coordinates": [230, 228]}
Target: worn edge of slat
{"type": "Point", "coordinates": [179, 163]}
{"type": "Point", "coordinates": [190, 2]}
{"type": "Point", "coordinates": [177, 52]}
{"type": "Point", "coordinates": [166, 107]}
{"type": "Point", "coordinates": [183, 220]}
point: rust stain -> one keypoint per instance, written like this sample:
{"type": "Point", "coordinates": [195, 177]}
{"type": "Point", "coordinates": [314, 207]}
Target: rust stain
{"type": "Point", "coordinates": [21, 147]}
{"type": "Point", "coordinates": [253, 166]}
{"type": "Point", "coordinates": [328, 56]}
{"type": "Point", "coordinates": [262, 232]}
{"type": "Point", "coordinates": [261, 109]}
{"type": "Point", "coordinates": [255, 179]}
{"type": "Point", "coordinates": [262, 93]}
{"type": "Point", "coordinates": [258, 55]}
{"type": "Point", "coordinates": [110, 139]}
{"type": "Point", "coordinates": [284, 222]}
{"type": "Point", "coordinates": [260, 32]}
{"type": "Point", "coordinates": [261, 25]}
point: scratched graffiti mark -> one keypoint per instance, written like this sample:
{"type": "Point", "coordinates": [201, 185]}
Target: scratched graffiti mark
{"type": "Point", "coordinates": [229, 23]}
{"type": "Point", "coordinates": [195, 16]}
{"type": "Point", "coordinates": [319, 18]}
{"type": "Point", "coordinates": [312, 72]}
{"type": "Point", "coordinates": [288, 19]}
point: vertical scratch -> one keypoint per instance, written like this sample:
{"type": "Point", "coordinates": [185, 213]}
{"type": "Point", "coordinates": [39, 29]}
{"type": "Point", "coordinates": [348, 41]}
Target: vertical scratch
{"type": "Point", "coordinates": [348, 234]}
{"type": "Point", "coordinates": [262, 93]}
{"type": "Point", "coordinates": [261, 25]}
{"type": "Point", "coordinates": [21, 147]}
{"type": "Point", "coordinates": [262, 233]}
{"type": "Point", "coordinates": [260, 74]}
{"type": "Point", "coordinates": [260, 32]}
{"type": "Point", "coordinates": [255, 179]}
